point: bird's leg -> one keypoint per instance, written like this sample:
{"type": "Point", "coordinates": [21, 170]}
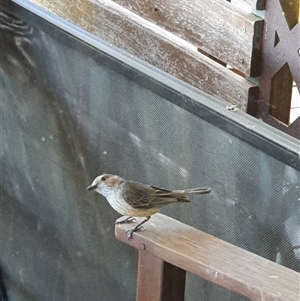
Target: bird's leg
{"type": "Point", "coordinates": [137, 227]}
{"type": "Point", "coordinates": [128, 219]}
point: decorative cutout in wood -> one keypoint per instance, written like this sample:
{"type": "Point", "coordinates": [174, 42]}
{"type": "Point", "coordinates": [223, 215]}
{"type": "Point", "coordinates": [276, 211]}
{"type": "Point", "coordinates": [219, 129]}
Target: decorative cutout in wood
{"type": "Point", "coordinates": [280, 80]}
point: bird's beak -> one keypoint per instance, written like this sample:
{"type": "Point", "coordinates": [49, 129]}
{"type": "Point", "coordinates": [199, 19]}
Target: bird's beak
{"type": "Point", "coordinates": [91, 187]}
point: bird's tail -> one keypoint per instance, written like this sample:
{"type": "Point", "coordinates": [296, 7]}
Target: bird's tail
{"type": "Point", "coordinates": [201, 190]}
{"type": "Point", "coordinates": [181, 194]}
{"type": "Point", "coordinates": [171, 196]}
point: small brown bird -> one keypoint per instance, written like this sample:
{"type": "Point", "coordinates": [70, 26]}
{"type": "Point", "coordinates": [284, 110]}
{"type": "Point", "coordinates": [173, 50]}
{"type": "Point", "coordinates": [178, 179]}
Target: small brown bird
{"type": "Point", "coordinates": [135, 199]}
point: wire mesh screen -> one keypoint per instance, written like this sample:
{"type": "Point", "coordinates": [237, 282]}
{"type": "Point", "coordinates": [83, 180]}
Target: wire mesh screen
{"type": "Point", "coordinates": [66, 117]}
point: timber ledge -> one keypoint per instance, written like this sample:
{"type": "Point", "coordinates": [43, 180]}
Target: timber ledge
{"type": "Point", "coordinates": [168, 248]}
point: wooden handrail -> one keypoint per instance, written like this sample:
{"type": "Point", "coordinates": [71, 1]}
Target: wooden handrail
{"type": "Point", "coordinates": [168, 248]}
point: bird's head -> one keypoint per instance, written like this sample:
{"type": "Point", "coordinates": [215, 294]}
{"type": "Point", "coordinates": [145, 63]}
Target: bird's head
{"type": "Point", "coordinates": [106, 184]}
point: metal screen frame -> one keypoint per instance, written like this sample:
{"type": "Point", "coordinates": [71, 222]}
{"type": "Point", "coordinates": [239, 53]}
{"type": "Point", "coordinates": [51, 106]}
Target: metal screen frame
{"type": "Point", "coordinates": [241, 125]}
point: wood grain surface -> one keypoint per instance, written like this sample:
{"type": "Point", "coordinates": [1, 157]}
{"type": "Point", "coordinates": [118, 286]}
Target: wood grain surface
{"type": "Point", "coordinates": [215, 26]}
{"type": "Point", "coordinates": [254, 4]}
{"type": "Point", "coordinates": [213, 259]}
{"type": "Point", "coordinates": [125, 30]}
{"type": "Point", "coordinates": [158, 280]}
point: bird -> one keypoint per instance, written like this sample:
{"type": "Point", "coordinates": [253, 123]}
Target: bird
{"type": "Point", "coordinates": [134, 199]}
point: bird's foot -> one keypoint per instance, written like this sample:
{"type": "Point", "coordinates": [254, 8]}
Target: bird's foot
{"type": "Point", "coordinates": [127, 220]}
{"type": "Point", "coordinates": [137, 227]}
{"type": "Point", "coordinates": [134, 229]}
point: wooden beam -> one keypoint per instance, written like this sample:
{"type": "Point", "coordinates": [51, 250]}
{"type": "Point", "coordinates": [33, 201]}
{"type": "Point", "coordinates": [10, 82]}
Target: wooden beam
{"type": "Point", "coordinates": [281, 94]}
{"type": "Point", "coordinates": [215, 26]}
{"type": "Point", "coordinates": [254, 4]}
{"type": "Point", "coordinates": [159, 280]}
{"type": "Point", "coordinates": [213, 259]}
{"type": "Point", "coordinates": [124, 29]}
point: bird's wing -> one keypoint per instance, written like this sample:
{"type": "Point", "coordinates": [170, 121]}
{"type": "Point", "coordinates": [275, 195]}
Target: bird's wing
{"type": "Point", "coordinates": [137, 195]}
{"type": "Point", "coordinates": [142, 196]}
{"type": "Point", "coordinates": [158, 190]}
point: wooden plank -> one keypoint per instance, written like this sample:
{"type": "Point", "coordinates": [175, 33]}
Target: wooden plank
{"type": "Point", "coordinates": [253, 4]}
{"type": "Point", "coordinates": [213, 259]}
{"type": "Point", "coordinates": [173, 285]}
{"type": "Point", "coordinates": [159, 280]}
{"type": "Point", "coordinates": [281, 94]}
{"type": "Point", "coordinates": [124, 29]}
{"type": "Point", "coordinates": [149, 278]}
{"type": "Point", "coordinates": [215, 26]}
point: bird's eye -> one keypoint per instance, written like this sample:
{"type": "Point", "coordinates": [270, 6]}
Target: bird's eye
{"type": "Point", "coordinates": [103, 179]}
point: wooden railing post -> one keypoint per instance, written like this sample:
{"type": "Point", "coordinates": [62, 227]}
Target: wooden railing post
{"type": "Point", "coordinates": [159, 280]}
{"type": "Point", "coordinates": [168, 248]}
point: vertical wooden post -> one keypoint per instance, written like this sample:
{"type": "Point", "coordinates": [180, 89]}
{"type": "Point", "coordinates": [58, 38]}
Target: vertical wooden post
{"type": "Point", "coordinates": [159, 280]}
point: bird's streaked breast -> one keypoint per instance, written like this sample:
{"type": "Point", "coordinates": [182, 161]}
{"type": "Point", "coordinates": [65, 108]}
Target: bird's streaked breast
{"type": "Point", "coordinates": [119, 204]}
